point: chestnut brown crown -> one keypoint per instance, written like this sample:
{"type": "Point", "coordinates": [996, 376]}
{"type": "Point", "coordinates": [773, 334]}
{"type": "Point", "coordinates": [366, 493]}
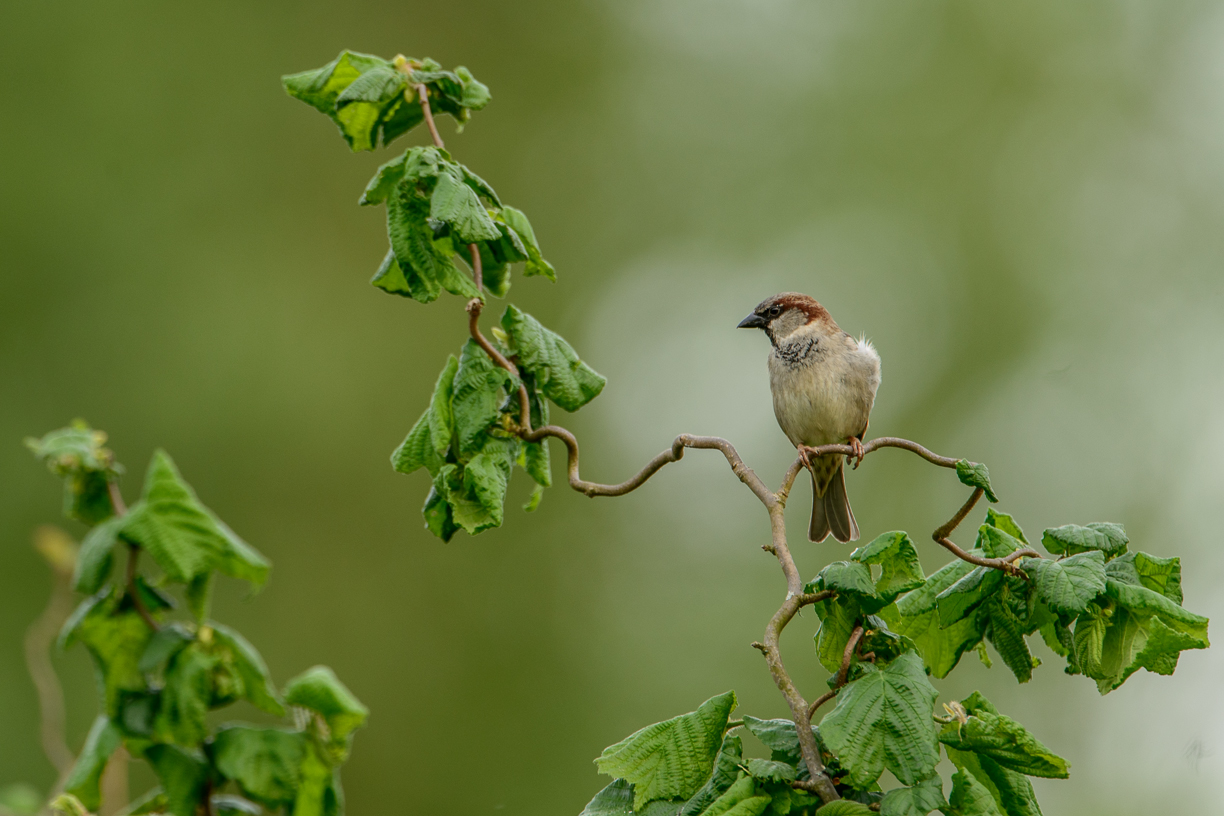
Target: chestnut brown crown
{"type": "Point", "coordinates": [772, 308]}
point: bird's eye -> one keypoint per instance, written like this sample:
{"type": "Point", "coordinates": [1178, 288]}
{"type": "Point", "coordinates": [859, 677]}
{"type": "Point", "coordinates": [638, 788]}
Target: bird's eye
{"type": "Point", "coordinates": [775, 311]}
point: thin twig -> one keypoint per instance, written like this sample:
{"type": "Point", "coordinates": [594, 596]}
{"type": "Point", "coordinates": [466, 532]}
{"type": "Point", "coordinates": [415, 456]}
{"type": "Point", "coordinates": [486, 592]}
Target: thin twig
{"type": "Point", "coordinates": [844, 671]}
{"type": "Point", "coordinates": [423, 93]}
{"type": "Point", "coordinates": [1006, 564]}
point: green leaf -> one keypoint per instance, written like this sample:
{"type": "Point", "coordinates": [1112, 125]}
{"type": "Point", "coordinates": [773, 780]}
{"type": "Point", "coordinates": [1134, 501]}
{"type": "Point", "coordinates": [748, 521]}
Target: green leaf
{"type": "Point", "coordinates": [837, 620]}
{"type": "Point", "coordinates": [455, 204]}
{"type": "Point", "coordinates": [77, 454]}
{"type": "Point", "coordinates": [898, 560]}
{"type": "Point", "coordinates": [1161, 575]}
{"type": "Point", "coordinates": [553, 363]}
{"type": "Point", "coordinates": [958, 600]}
{"type": "Point", "coordinates": [1005, 523]}
{"type": "Point", "coordinates": [1011, 792]}
{"type": "Point", "coordinates": [883, 720]}
{"type": "Point", "coordinates": [182, 774]}
{"type": "Point", "coordinates": [536, 265]}
{"type": "Point", "coordinates": [439, 517]}
{"type": "Point", "coordinates": [996, 542]}
{"type": "Point", "coordinates": [187, 696]}
{"type": "Point", "coordinates": [476, 492]}
{"type": "Point", "coordinates": [165, 644]}
{"type": "Point", "coordinates": [116, 637]}
{"type": "Point", "coordinates": [670, 759]}
{"type": "Point", "coordinates": [844, 807]}
{"type": "Point", "coordinates": [534, 457]}
{"type": "Point", "coordinates": [740, 799]}
{"type": "Point", "coordinates": [480, 390]}
{"type": "Point", "coordinates": [971, 798]}
{"type": "Point", "coordinates": [264, 762]}
{"type": "Point", "coordinates": [726, 770]}
{"type": "Point", "coordinates": [1006, 633]}
{"type": "Point", "coordinates": [359, 92]}
{"type": "Point", "coordinates": [319, 690]}
{"type": "Point", "coordinates": [974, 474]}
{"type": "Point", "coordinates": [181, 535]}
{"type": "Point", "coordinates": [846, 578]}
{"type": "Point", "coordinates": [429, 439]}
{"type": "Point", "coordinates": [918, 800]}
{"type": "Point", "coordinates": [104, 738]}
{"type": "Point", "coordinates": [391, 279]}
{"type": "Point", "coordinates": [614, 800]}
{"type": "Point", "coordinates": [425, 262]}
{"type": "Point", "coordinates": [779, 736]}
{"type": "Point", "coordinates": [768, 770]}
{"type": "Point", "coordinates": [249, 665]}
{"type": "Point", "coordinates": [1005, 741]}
{"type": "Point", "coordinates": [96, 557]}
{"type": "Point", "coordinates": [1070, 539]}
{"type": "Point", "coordinates": [384, 182]}
{"type": "Point", "coordinates": [1140, 629]}
{"type": "Point", "coordinates": [320, 793]}
{"type": "Point", "coordinates": [1070, 584]}
{"type": "Point", "coordinates": [941, 648]}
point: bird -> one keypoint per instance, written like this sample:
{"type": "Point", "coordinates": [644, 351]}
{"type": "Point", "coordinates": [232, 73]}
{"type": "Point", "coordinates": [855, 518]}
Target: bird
{"type": "Point", "coordinates": [824, 384]}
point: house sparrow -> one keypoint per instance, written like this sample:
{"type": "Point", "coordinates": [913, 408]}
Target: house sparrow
{"type": "Point", "coordinates": [824, 383]}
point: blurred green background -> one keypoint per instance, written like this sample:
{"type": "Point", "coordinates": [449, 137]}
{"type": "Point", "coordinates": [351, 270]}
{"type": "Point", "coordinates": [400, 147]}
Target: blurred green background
{"type": "Point", "coordinates": [1019, 203]}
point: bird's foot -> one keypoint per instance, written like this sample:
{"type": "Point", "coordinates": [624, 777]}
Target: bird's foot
{"type": "Point", "coordinates": [805, 454]}
{"type": "Point", "coordinates": [856, 452]}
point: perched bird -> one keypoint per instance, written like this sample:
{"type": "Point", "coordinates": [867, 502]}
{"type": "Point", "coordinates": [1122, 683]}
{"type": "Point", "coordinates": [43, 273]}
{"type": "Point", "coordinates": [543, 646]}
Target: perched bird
{"type": "Point", "coordinates": [824, 383]}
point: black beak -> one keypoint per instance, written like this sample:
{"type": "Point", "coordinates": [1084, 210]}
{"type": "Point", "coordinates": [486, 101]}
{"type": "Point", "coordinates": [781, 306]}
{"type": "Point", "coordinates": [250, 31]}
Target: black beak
{"type": "Point", "coordinates": [752, 321]}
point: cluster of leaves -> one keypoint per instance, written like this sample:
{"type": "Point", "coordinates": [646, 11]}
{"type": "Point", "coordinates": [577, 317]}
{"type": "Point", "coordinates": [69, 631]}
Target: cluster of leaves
{"type": "Point", "coordinates": [694, 765]}
{"type": "Point", "coordinates": [159, 678]}
{"type": "Point", "coordinates": [372, 99]}
{"type": "Point", "coordinates": [470, 437]}
{"type": "Point", "coordinates": [1110, 612]}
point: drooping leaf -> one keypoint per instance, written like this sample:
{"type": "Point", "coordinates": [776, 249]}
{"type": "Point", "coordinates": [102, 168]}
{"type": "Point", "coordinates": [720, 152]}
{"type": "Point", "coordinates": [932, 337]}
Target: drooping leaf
{"type": "Point", "coordinates": [1161, 575]}
{"type": "Point", "coordinates": [96, 557]}
{"type": "Point", "coordinates": [264, 762]}
{"type": "Point", "coordinates": [357, 91]}
{"type": "Point", "coordinates": [182, 773]}
{"type": "Point", "coordinates": [249, 665]}
{"type": "Point", "coordinates": [1005, 741]}
{"type": "Point", "coordinates": [962, 597]}
{"type": "Point", "coordinates": [165, 644]}
{"type": "Point", "coordinates": [779, 736]}
{"type": "Point", "coordinates": [838, 617]}
{"type": "Point", "coordinates": [480, 389]}
{"type": "Point", "coordinates": [941, 648]}
{"type": "Point", "coordinates": [849, 578]}
{"type": "Point", "coordinates": [726, 770]}
{"type": "Point", "coordinates": [898, 560]}
{"type": "Point", "coordinates": [670, 759]}
{"type": "Point", "coordinates": [1006, 633]}
{"type": "Point", "coordinates": [427, 442]}
{"type": "Point", "coordinates": [1011, 792]}
{"type": "Point", "coordinates": [425, 262]}
{"type": "Point", "coordinates": [536, 265]}
{"type": "Point", "coordinates": [319, 690]}
{"type": "Point", "coordinates": [456, 204]}
{"type": "Point", "coordinates": [553, 363]}
{"type": "Point", "coordinates": [1071, 539]}
{"type": "Point", "coordinates": [1068, 585]}
{"type": "Point", "coordinates": [476, 492]}
{"type": "Point", "coordinates": [883, 720]}
{"type": "Point", "coordinates": [534, 456]}
{"type": "Point", "coordinates": [975, 474]}
{"type": "Point", "coordinates": [104, 738]}
{"type": "Point", "coordinates": [971, 798]}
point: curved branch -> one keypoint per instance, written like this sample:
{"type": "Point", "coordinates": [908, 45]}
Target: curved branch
{"type": "Point", "coordinates": [1006, 564]}
{"type": "Point", "coordinates": [819, 782]}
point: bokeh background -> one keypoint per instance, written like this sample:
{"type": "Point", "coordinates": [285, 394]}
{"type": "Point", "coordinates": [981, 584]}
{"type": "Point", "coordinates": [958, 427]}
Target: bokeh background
{"type": "Point", "coordinates": [1021, 205]}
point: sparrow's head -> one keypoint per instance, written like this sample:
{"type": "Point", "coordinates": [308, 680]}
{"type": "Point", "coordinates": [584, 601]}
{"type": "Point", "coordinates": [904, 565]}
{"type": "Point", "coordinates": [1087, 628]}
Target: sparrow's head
{"type": "Point", "coordinates": [782, 315]}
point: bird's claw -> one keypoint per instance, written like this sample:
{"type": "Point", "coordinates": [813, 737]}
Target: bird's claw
{"type": "Point", "coordinates": [804, 456]}
{"type": "Point", "coordinates": [856, 452]}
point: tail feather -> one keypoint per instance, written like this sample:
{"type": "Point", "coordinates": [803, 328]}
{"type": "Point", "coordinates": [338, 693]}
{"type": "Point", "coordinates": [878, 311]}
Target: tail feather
{"type": "Point", "coordinates": [831, 512]}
